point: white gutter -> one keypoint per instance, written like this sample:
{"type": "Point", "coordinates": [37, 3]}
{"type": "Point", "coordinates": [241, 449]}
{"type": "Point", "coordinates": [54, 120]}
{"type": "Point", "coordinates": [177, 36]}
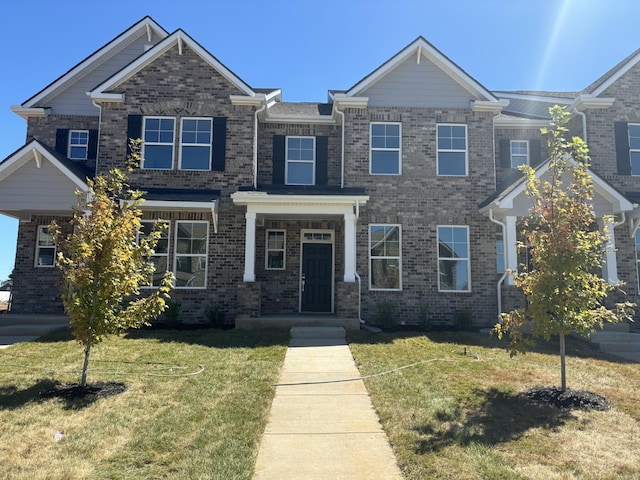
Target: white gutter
{"type": "Point", "coordinates": [335, 107]}
{"type": "Point", "coordinates": [355, 251]}
{"type": "Point", "coordinates": [255, 146]}
{"type": "Point", "coordinates": [504, 275]}
{"type": "Point", "coordinates": [584, 123]}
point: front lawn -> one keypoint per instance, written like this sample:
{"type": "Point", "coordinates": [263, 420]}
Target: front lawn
{"type": "Point", "coordinates": [172, 421]}
{"type": "Point", "coordinates": [459, 413]}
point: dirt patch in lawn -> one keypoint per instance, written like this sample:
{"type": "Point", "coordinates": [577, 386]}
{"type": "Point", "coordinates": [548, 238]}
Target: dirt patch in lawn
{"type": "Point", "coordinates": [567, 399]}
{"type": "Point", "coordinates": [77, 396]}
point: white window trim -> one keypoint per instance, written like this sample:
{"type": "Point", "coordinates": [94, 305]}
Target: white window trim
{"type": "Point", "coordinates": [398, 257]}
{"type": "Point", "coordinates": [511, 154]}
{"type": "Point", "coordinates": [200, 255]}
{"type": "Point", "coordinates": [182, 144]}
{"type": "Point", "coordinates": [86, 146]}
{"type": "Point", "coordinates": [466, 150]}
{"type": "Point", "coordinates": [167, 255]}
{"type": "Point", "coordinates": [632, 150]}
{"type": "Point", "coordinates": [145, 143]}
{"type": "Point", "coordinates": [468, 258]}
{"type": "Point", "coordinates": [286, 160]}
{"type": "Point", "coordinates": [283, 250]}
{"type": "Point", "coordinates": [38, 247]}
{"type": "Point", "coordinates": [399, 149]}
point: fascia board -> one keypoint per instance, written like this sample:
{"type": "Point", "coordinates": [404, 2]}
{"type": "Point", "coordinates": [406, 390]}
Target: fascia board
{"type": "Point", "coordinates": [299, 119]}
{"type": "Point", "coordinates": [260, 202]}
{"type": "Point", "coordinates": [520, 123]}
{"type": "Point", "coordinates": [534, 98]}
{"type": "Point", "coordinates": [178, 205]}
{"type": "Point", "coordinates": [588, 101]}
{"type": "Point", "coordinates": [30, 112]}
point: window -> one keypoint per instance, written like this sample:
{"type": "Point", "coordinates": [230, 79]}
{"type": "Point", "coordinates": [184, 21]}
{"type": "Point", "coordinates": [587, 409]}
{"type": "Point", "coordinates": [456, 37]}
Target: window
{"type": "Point", "coordinates": [195, 144]}
{"type": "Point", "coordinates": [190, 263]}
{"type": "Point", "coordinates": [385, 149]}
{"type": "Point", "coordinates": [384, 257]}
{"type": "Point", "coordinates": [158, 134]}
{"type": "Point", "coordinates": [78, 144]}
{"type": "Point", "coordinates": [634, 148]}
{"type": "Point", "coordinates": [519, 153]}
{"type": "Point", "coordinates": [160, 257]}
{"type": "Point", "coordinates": [452, 150]}
{"type": "Point", "coordinates": [45, 248]}
{"type": "Point", "coordinates": [499, 253]}
{"type": "Point", "coordinates": [275, 250]}
{"type": "Point", "coordinates": [300, 161]}
{"type": "Point", "coordinates": [453, 259]}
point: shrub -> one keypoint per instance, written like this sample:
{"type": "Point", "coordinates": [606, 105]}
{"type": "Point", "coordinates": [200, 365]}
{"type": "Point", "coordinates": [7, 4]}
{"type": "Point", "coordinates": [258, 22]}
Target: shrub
{"type": "Point", "coordinates": [463, 320]}
{"type": "Point", "coordinates": [386, 314]}
{"type": "Point", "coordinates": [172, 313]}
{"type": "Point", "coordinates": [215, 315]}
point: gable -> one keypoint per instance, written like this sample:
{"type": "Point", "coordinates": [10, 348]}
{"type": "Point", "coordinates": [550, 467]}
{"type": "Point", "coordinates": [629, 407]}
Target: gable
{"type": "Point", "coordinates": [68, 94]}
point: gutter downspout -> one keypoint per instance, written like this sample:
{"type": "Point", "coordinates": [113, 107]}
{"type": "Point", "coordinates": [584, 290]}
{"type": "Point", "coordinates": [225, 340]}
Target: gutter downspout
{"type": "Point", "coordinates": [255, 146]}
{"type": "Point", "coordinates": [355, 269]}
{"type": "Point", "coordinates": [504, 275]}
{"type": "Point", "coordinates": [584, 123]}
{"type": "Point", "coordinates": [342, 151]}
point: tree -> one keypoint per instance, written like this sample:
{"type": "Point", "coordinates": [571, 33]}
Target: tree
{"type": "Point", "coordinates": [564, 292]}
{"type": "Point", "coordinates": [103, 265]}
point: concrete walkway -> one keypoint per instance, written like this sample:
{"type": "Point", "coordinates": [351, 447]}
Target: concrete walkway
{"type": "Point", "coordinates": [323, 430]}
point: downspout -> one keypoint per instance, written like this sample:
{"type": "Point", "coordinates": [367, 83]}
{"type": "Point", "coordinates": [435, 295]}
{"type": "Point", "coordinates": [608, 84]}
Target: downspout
{"type": "Point", "coordinates": [99, 107]}
{"type": "Point", "coordinates": [504, 275]}
{"type": "Point", "coordinates": [584, 123]}
{"type": "Point", "coordinates": [355, 272]}
{"type": "Point", "coordinates": [342, 151]}
{"type": "Point", "coordinates": [255, 146]}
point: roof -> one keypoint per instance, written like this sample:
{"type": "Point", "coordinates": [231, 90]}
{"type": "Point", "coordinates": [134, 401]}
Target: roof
{"type": "Point", "coordinates": [179, 194]}
{"type": "Point", "coordinates": [301, 108]}
{"type": "Point", "coordinates": [613, 74]}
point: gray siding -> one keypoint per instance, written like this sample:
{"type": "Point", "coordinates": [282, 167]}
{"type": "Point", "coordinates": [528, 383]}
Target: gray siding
{"type": "Point", "coordinates": [418, 85]}
{"type": "Point", "coordinates": [74, 100]}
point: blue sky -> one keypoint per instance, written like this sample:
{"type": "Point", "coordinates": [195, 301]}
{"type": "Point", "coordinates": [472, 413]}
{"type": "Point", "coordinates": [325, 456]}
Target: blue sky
{"type": "Point", "coordinates": [306, 47]}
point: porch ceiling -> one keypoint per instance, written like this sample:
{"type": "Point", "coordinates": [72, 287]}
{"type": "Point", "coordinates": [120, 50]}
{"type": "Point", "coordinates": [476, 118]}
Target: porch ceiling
{"type": "Point", "coordinates": [268, 205]}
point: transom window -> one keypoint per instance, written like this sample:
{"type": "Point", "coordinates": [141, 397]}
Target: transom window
{"type": "Point", "coordinates": [195, 143]}
{"type": "Point", "coordinates": [452, 150]}
{"type": "Point", "coordinates": [453, 259]}
{"type": "Point", "coordinates": [45, 248]}
{"type": "Point", "coordinates": [300, 161]}
{"type": "Point", "coordinates": [634, 148]}
{"type": "Point", "coordinates": [275, 251]}
{"type": "Point", "coordinates": [78, 144]}
{"type": "Point", "coordinates": [158, 136]}
{"type": "Point", "coordinates": [385, 152]}
{"type": "Point", "coordinates": [190, 262]}
{"type": "Point", "coordinates": [160, 256]}
{"type": "Point", "coordinates": [519, 153]}
{"type": "Point", "coordinates": [385, 260]}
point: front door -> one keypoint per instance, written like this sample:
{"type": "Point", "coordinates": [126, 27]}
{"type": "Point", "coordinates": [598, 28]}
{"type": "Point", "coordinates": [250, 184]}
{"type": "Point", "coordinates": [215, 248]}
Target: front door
{"type": "Point", "coordinates": [316, 278]}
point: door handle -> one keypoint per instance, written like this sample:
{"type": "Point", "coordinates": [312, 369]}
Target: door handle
{"type": "Point", "coordinates": [302, 281]}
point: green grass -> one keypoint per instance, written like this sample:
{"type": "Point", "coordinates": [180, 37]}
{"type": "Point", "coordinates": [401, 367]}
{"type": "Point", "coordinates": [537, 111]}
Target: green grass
{"type": "Point", "coordinates": [462, 416]}
{"type": "Point", "coordinates": [172, 422]}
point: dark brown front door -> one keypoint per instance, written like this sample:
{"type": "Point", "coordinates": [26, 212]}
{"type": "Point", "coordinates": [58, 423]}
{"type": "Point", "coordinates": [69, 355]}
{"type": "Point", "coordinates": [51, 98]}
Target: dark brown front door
{"type": "Point", "coordinates": [317, 261]}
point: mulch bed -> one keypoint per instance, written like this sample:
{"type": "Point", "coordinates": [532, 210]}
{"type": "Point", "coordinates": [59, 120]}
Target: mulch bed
{"type": "Point", "coordinates": [568, 399]}
{"type": "Point", "coordinates": [90, 392]}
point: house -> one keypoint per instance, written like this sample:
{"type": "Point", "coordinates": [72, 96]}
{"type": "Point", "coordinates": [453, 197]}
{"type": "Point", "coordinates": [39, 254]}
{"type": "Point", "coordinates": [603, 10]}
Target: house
{"type": "Point", "coordinates": [401, 189]}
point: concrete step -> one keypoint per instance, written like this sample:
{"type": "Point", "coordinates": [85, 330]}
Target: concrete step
{"type": "Point", "coordinates": [615, 347]}
{"type": "Point", "coordinates": [616, 327]}
{"type": "Point", "coordinates": [32, 319]}
{"type": "Point", "coordinates": [30, 329]}
{"type": "Point", "coordinates": [613, 336]}
{"type": "Point", "coordinates": [318, 332]}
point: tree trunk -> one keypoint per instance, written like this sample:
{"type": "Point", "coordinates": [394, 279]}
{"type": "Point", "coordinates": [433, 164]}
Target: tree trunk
{"type": "Point", "coordinates": [563, 363]}
{"type": "Point", "coordinates": [85, 365]}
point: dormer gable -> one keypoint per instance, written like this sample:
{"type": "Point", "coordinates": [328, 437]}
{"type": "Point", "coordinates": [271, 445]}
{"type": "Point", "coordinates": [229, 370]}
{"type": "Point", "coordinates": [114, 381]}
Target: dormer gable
{"type": "Point", "coordinates": [421, 76]}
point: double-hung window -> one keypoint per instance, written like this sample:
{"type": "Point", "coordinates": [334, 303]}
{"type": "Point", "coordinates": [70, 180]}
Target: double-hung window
{"type": "Point", "coordinates": [78, 147]}
{"type": "Point", "coordinates": [519, 153]}
{"type": "Point", "coordinates": [634, 148]}
{"type": "Point", "coordinates": [385, 152]}
{"type": "Point", "coordinates": [385, 258]}
{"type": "Point", "coordinates": [453, 259]}
{"type": "Point", "coordinates": [452, 150]}
{"type": "Point", "coordinates": [160, 256]}
{"type": "Point", "coordinates": [45, 248]}
{"type": "Point", "coordinates": [275, 251]}
{"type": "Point", "coordinates": [158, 136]}
{"type": "Point", "coordinates": [190, 262]}
{"type": "Point", "coordinates": [300, 161]}
{"type": "Point", "coordinates": [195, 143]}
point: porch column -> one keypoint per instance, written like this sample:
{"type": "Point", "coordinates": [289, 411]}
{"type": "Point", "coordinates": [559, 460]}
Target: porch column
{"type": "Point", "coordinates": [610, 263]}
{"type": "Point", "coordinates": [250, 248]}
{"type": "Point", "coordinates": [349, 247]}
{"type": "Point", "coordinates": [510, 247]}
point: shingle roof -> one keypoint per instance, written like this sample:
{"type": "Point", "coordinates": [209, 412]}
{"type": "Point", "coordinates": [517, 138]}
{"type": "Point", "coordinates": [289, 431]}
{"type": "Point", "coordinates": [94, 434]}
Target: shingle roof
{"type": "Point", "coordinates": [301, 108]}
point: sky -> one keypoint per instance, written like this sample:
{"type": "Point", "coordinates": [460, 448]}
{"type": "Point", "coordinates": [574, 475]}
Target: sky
{"type": "Point", "coordinates": [306, 47]}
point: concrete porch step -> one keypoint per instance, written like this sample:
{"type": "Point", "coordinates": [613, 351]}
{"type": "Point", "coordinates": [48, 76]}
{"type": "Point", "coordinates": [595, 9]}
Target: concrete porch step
{"type": "Point", "coordinates": [318, 332]}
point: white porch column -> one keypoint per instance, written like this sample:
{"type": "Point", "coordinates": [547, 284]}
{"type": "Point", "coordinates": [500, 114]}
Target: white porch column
{"type": "Point", "coordinates": [510, 247]}
{"type": "Point", "coordinates": [250, 248]}
{"type": "Point", "coordinates": [349, 247]}
{"type": "Point", "coordinates": [610, 262]}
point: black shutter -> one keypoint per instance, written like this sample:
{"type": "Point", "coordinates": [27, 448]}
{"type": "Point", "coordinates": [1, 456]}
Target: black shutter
{"type": "Point", "coordinates": [322, 160]}
{"type": "Point", "coordinates": [535, 155]}
{"type": "Point", "coordinates": [218, 151]}
{"type": "Point", "coordinates": [134, 130]}
{"type": "Point", "coordinates": [621, 130]}
{"type": "Point", "coordinates": [278, 159]}
{"type": "Point", "coordinates": [62, 141]}
{"type": "Point", "coordinates": [505, 153]}
{"type": "Point", "coordinates": [92, 149]}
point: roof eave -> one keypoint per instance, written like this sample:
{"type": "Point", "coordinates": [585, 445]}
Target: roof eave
{"type": "Point", "coordinates": [31, 112]}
